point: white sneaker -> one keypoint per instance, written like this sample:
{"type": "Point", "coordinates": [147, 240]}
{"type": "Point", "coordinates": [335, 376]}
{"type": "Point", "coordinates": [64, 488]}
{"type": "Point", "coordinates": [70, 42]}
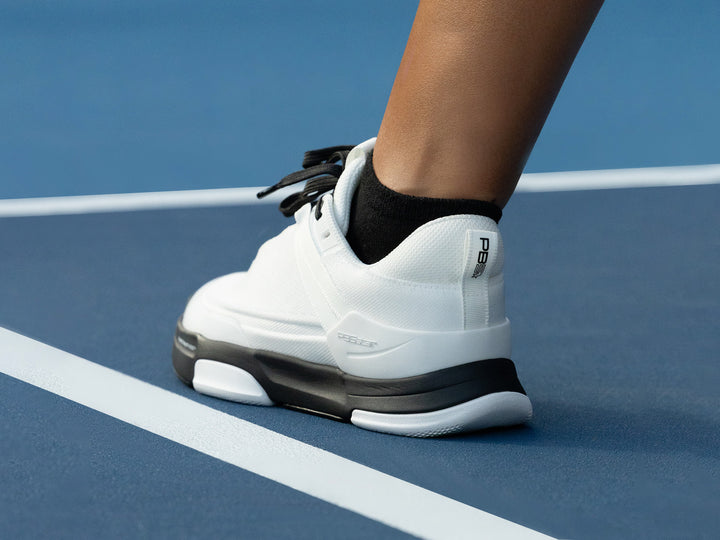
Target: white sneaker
{"type": "Point", "coordinates": [416, 344]}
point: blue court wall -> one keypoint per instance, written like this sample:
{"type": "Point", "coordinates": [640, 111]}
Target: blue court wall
{"type": "Point", "coordinates": [123, 96]}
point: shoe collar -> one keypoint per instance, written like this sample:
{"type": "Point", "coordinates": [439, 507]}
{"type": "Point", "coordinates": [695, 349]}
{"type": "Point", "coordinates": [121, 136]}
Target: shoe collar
{"type": "Point", "coordinates": [348, 183]}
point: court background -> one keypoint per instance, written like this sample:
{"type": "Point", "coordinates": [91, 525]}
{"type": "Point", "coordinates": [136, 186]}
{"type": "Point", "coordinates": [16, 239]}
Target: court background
{"type": "Point", "coordinates": [110, 97]}
{"type": "Point", "coordinates": [123, 96]}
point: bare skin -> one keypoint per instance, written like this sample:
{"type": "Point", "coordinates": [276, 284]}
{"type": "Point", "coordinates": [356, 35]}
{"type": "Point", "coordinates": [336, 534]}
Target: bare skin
{"type": "Point", "coordinates": [475, 85]}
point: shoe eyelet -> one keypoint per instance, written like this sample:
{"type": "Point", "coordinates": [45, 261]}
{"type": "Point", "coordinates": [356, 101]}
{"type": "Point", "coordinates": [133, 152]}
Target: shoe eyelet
{"type": "Point", "coordinates": [325, 234]}
{"type": "Point", "coordinates": [318, 207]}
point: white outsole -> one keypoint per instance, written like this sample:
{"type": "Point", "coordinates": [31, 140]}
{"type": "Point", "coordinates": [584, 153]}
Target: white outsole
{"type": "Point", "coordinates": [492, 410]}
{"type": "Point", "coordinates": [228, 382]}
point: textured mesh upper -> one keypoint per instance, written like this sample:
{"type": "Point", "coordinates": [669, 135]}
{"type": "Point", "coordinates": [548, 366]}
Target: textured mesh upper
{"type": "Point", "coordinates": [273, 284]}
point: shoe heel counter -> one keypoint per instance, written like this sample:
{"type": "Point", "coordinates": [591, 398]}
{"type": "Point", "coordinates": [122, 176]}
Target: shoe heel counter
{"type": "Point", "coordinates": [462, 255]}
{"type": "Point", "coordinates": [496, 300]}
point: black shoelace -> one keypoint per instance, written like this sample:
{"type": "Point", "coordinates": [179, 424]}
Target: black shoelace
{"type": "Point", "coordinates": [321, 169]}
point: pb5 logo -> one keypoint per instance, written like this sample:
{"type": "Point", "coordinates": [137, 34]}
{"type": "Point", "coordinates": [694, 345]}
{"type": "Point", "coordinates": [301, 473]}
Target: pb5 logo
{"type": "Point", "coordinates": [482, 258]}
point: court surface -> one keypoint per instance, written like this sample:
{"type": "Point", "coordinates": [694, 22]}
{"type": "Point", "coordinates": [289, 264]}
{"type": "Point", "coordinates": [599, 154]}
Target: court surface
{"type": "Point", "coordinates": [615, 340]}
{"type": "Point", "coordinates": [613, 294]}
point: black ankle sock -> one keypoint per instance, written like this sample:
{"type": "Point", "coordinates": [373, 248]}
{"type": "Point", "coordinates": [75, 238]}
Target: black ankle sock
{"type": "Point", "coordinates": [380, 218]}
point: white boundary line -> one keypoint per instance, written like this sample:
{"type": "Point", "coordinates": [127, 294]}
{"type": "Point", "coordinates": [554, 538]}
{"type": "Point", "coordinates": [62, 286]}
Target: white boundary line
{"type": "Point", "coordinates": [128, 202]}
{"type": "Point", "coordinates": [298, 465]}
{"type": "Point", "coordinates": [691, 175]}
{"type": "Point", "coordinates": [532, 182]}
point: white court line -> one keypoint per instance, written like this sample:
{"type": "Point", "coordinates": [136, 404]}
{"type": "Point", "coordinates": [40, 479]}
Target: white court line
{"type": "Point", "coordinates": [127, 202]}
{"type": "Point", "coordinates": [691, 175]}
{"type": "Point", "coordinates": [298, 465]}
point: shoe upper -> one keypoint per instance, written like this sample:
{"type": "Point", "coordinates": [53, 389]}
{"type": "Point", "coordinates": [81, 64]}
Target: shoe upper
{"type": "Point", "coordinates": [437, 300]}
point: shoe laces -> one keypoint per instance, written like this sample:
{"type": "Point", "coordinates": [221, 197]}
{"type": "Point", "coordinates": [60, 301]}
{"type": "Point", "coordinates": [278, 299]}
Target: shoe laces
{"type": "Point", "coordinates": [322, 169]}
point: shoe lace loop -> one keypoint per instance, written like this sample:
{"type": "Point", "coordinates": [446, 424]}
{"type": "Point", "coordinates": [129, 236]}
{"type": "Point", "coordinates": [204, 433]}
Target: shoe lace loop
{"type": "Point", "coordinates": [321, 169]}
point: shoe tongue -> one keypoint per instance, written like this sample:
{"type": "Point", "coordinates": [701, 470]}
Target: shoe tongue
{"type": "Point", "coordinates": [348, 182]}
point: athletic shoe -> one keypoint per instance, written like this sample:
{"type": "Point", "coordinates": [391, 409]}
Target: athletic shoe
{"type": "Point", "coordinates": [416, 344]}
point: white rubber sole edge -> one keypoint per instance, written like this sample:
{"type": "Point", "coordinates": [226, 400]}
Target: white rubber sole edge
{"type": "Point", "coordinates": [228, 382]}
{"type": "Point", "coordinates": [493, 410]}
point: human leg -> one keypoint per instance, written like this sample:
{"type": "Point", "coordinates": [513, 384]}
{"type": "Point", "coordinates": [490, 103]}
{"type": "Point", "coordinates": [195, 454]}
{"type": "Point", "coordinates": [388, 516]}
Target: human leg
{"type": "Point", "coordinates": [476, 83]}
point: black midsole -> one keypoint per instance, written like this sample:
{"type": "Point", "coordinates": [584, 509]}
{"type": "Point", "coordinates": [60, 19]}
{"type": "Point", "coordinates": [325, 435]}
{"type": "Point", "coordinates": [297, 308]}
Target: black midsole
{"type": "Point", "coordinates": [329, 391]}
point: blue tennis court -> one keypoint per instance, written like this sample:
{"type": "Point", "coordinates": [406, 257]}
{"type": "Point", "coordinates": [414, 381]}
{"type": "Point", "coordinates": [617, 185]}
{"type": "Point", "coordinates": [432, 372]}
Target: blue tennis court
{"type": "Point", "coordinates": [613, 293]}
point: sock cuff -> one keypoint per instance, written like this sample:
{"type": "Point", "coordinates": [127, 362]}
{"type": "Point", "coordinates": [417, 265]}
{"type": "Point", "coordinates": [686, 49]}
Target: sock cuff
{"type": "Point", "coordinates": [398, 206]}
{"type": "Point", "coordinates": [380, 218]}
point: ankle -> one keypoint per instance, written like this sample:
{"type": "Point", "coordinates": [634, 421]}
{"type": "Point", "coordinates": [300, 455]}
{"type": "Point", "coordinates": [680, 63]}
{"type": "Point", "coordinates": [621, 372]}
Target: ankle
{"type": "Point", "coordinates": [432, 169]}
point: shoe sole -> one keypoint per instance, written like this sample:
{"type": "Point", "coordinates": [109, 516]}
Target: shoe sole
{"type": "Point", "coordinates": [469, 397]}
